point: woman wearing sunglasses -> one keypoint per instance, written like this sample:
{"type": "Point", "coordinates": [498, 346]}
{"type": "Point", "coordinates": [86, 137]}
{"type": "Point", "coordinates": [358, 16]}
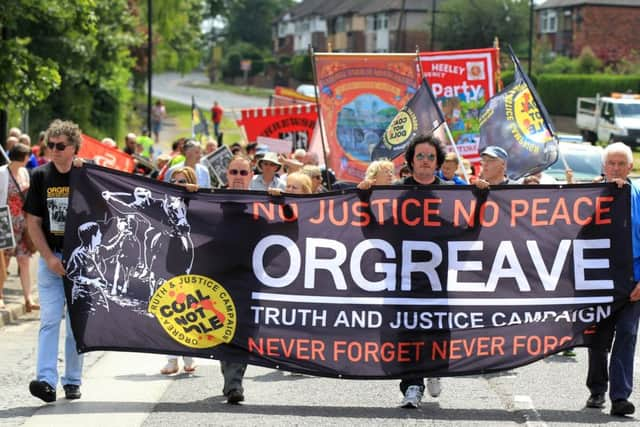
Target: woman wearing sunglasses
{"type": "Point", "coordinates": [185, 177]}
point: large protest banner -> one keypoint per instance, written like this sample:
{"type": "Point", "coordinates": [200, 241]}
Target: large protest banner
{"type": "Point", "coordinates": [359, 96]}
{"type": "Point", "coordinates": [394, 282]}
{"type": "Point", "coordinates": [462, 81]}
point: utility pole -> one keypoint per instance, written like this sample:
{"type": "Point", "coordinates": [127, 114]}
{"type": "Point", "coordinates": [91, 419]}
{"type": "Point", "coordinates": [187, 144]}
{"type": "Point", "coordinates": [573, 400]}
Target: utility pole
{"type": "Point", "coordinates": [149, 61]}
{"type": "Point", "coordinates": [530, 35]}
{"type": "Point", "coordinates": [4, 116]}
{"type": "Point", "coordinates": [433, 25]}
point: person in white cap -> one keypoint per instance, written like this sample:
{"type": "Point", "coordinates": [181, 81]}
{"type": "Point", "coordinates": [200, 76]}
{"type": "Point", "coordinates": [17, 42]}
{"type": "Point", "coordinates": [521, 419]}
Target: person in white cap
{"type": "Point", "coordinates": [494, 167]}
{"type": "Point", "coordinates": [269, 165]}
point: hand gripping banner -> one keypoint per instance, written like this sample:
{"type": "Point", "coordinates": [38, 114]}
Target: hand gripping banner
{"type": "Point", "coordinates": [394, 282]}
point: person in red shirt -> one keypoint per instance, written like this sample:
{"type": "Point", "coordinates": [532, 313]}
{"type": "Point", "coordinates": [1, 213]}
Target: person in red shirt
{"type": "Point", "coordinates": [216, 117]}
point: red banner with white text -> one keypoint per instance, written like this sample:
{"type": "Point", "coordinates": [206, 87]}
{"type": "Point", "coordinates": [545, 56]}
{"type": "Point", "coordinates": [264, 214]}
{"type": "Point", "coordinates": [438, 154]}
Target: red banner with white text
{"type": "Point", "coordinates": [102, 155]}
{"type": "Point", "coordinates": [292, 122]}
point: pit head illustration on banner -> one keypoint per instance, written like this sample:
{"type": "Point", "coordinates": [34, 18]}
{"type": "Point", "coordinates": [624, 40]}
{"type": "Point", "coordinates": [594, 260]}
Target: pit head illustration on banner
{"type": "Point", "coordinates": [360, 94]}
{"type": "Point", "coordinates": [462, 81]}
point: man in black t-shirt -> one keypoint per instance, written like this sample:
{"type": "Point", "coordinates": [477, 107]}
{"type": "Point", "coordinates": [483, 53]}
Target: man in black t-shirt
{"type": "Point", "coordinates": [46, 206]}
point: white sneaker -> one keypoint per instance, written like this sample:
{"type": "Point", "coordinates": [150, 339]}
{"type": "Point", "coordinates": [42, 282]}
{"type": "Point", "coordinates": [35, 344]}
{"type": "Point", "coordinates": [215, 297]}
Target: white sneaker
{"type": "Point", "coordinates": [412, 397]}
{"type": "Point", "coordinates": [434, 387]}
{"type": "Point", "coordinates": [170, 368]}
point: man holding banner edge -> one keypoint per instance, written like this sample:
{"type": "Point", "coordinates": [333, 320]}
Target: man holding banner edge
{"type": "Point", "coordinates": [617, 163]}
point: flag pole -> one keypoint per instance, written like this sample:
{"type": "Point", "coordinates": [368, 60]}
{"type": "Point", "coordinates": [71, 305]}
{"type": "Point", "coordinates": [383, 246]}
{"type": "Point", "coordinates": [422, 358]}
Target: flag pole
{"type": "Point", "coordinates": [193, 107]}
{"type": "Point", "coordinates": [543, 111]}
{"type": "Point", "coordinates": [443, 121]}
{"type": "Point", "coordinates": [315, 91]}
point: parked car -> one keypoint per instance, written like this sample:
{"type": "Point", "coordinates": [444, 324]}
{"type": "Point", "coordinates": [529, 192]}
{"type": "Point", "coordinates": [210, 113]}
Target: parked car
{"type": "Point", "coordinates": [307, 90]}
{"type": "Point", "coordinates": [583, 158]}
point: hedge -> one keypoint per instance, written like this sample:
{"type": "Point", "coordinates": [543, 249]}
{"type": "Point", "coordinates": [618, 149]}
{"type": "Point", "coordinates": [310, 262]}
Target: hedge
{"type": "Point", "coordinates": [559, 92]}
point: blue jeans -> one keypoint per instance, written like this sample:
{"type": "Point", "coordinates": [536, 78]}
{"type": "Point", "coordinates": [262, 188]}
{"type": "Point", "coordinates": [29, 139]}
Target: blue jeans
{"type": "Point", "coordinates": [52, 308]}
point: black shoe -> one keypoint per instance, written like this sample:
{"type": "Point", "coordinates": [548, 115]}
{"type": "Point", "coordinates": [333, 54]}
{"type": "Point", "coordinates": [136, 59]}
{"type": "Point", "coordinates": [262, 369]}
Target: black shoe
{"type": "Point", "coordinates": [72, 391]}
{"type": "Point", "coordinates": [596, 401]}
{"type": "Point", "coordinates": [622, 407]}
{"type": "Point", "coordinates": [235, 396]}
{"type": "Point", "coordinates": [42, 390]}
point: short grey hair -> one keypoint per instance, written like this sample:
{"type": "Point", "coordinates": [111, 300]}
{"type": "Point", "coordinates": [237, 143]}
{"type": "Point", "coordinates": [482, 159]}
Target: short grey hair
{"type": "Point", "coordinates": [617, 148]}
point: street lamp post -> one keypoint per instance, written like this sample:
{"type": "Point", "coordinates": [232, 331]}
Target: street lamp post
{"type": "Point", "coordinates": [149, 62]}
{"type": "Point", "coordinates": [530, 35]}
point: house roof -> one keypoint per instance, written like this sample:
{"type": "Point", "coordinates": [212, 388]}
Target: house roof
{"type": "Point", "coordinates": [313, 7]}
{"type": "Point", "coordinates": [553, 4]}
{"type": "Point", "coordinates": [347, 7]}
{"type": "Point", "coordinates": [378, 6]}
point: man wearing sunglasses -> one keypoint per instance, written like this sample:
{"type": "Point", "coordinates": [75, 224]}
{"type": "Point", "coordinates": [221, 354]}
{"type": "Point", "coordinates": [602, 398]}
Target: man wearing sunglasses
{"type": "Point", "coordinates": [239, 175]}
{"type": "Point", "coordinates": [424, 156]}
{"type": "Point", "coordinates": [46, 205]}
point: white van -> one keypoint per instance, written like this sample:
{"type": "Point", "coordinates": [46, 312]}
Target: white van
{"type": "Point", "coordinates": [610, 118]}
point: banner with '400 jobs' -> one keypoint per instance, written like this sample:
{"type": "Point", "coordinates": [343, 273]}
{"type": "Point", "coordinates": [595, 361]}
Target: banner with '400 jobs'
{"type": "Point", "coordinates": [360, 284]}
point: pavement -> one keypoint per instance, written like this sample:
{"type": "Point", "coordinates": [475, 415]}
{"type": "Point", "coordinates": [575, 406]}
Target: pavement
{"type": "Point", "coordinates": [12, 291]}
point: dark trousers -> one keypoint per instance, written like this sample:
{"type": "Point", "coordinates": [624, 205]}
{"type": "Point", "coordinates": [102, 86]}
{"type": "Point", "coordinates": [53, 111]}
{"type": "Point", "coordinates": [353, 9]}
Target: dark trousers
{"type": "Point", "coordinates": [623, 330]}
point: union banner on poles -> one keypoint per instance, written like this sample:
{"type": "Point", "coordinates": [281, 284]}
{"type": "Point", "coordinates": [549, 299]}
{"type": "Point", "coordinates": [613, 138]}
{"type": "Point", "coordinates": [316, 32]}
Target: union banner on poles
{"type": "Point", "coordinates": [359, 96]}
{"type": "Point", "coordinates": [462, 82]}
{"type": "Point", "coordinates": [395, 282]}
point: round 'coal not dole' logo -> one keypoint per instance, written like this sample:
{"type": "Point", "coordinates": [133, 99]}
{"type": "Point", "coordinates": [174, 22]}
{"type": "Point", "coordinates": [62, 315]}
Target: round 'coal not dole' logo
{"type": "Point", "coordinates": [194, 310]}
{"type": "Point", "coordinates": [528, 119]}
{"type": "Point", "coordinates": [401, 128]}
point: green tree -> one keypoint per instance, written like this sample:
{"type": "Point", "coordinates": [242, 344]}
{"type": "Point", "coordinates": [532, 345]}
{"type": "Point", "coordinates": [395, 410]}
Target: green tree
{"type": "Point", "coordinates": [468, 24]}
{"type": "Point", "coordinates": [177, 36]}
{"type": "Point", "coordinates": [69, 59]}
{"type": "Point", "coordinates": [250, 20]}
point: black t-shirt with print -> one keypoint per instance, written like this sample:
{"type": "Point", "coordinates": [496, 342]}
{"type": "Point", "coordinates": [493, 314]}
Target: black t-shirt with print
{"type": "Point", "coordinates": [48, 198]}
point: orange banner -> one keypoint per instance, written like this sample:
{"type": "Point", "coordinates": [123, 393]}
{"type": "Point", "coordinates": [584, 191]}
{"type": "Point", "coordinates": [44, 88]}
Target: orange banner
{"type": "Point", "coordinates": [359, 96]}
{"type": "Point", "coordinates": [92, 149]}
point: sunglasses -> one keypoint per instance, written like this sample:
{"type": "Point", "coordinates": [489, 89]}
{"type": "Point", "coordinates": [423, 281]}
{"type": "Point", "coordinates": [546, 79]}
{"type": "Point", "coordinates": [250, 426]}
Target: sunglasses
{"type": "Point", "coordinates": [241, 172]}
{"type": "Point", "coordinates": [422, 156]}
{"type": "Point", "coordinates": [317, 177]}
{"type": "Point", "coordinates": [60, 146]}
{"type": "Point", "coordinates": [178, 181]}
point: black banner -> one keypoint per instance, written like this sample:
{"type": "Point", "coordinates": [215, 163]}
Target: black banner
{"type": "Point", "coordinates": [398, 281]}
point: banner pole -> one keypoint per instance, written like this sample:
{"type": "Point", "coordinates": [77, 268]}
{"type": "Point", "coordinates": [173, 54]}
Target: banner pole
{"type": "Point", "coordinates": [193, 106]}
{"type": "Point", "coordinates": [315, 91]}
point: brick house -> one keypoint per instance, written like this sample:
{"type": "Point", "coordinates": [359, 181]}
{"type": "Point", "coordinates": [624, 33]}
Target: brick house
{"type": "Point", "coordinates": [611, 28]}
{"type": "Point", "coordinates": [354, 26]}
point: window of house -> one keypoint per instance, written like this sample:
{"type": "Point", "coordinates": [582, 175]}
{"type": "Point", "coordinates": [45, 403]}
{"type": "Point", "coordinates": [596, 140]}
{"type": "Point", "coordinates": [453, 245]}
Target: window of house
{"type": "Point", "coordinates": [548, 21]}
{"type": "Point", "coordinates": [370, 23]}
{"type": "Point", "coordinates": [381, 22]}
{"type": "Point", "coordinates": [340, 25]}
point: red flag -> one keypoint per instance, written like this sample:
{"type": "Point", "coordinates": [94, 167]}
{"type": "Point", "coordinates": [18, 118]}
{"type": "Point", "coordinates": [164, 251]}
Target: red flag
{"type": "Point", "coordinates": [92, 149]}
